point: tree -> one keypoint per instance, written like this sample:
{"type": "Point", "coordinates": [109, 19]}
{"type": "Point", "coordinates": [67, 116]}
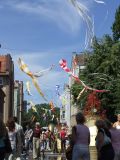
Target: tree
{"type": "Point", "coordinates": [103, 72]}
{"type": "Point", "coordinates": [116, 25]}
{"type": "Point", "coordinates": [44, 115]}
{"type": "Point", "coordinates": [105, 59]}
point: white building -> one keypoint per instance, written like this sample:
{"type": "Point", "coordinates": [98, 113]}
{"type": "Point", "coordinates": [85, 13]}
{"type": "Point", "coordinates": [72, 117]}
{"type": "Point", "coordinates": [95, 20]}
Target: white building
{"type": "Point", "coordinates": [69, 110]}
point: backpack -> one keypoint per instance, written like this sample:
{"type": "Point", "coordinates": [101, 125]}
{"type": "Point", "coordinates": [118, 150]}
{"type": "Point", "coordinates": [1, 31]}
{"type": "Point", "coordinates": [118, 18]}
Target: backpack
{"type": "Point", "coordinates": [2, 142]}
{"type": "Point", "coordinates": [107, 140]}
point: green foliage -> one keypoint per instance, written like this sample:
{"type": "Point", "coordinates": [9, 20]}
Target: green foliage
{"type": "Point", "coordinates": [42, 110]}
{"type": "Point", "coordinates": [103, 59]}
{"type": "Point", "coordinates": [116, 25]}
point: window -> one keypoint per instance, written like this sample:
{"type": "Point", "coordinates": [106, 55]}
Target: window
{"type": "Point", "coordinates": [63, 114]}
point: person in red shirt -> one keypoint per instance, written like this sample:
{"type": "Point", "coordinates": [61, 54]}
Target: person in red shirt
{"type": "Point", "coordinates": [63, 139]}
{"type": "Point", "coordinates": [36, 140]}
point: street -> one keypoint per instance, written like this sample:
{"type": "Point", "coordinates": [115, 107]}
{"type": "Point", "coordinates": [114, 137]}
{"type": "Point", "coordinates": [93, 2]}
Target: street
{"type": "Point", "coordinates": [46, 156]}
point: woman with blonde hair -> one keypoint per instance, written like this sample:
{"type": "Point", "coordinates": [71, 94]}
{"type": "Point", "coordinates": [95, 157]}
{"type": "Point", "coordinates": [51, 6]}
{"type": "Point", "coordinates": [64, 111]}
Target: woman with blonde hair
{"type": "Point", "coordinates": [5, 146]}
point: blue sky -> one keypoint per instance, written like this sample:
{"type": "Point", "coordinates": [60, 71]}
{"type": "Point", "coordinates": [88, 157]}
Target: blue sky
{"type": "Point", "coordinates": [44, 31]}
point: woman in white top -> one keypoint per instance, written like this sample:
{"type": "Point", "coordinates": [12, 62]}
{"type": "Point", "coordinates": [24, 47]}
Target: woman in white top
{"type": "Point", "coordinates": [12, 134]}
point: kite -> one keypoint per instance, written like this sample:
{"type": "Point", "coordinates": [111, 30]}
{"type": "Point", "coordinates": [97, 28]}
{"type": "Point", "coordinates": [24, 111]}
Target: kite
{"type": "Point", "coordinates": [52, 106]}
{"type": "Point", "coordinates": [33, 118]}
{"type": "Point", "coordinates": [28, 88]}
{"type": "Point", "coordinates": [41, 73]}
{"type": "Point", "coordinates": [102, 2]}
{"type": "Point", "coordinates": [102, 75]}
{"type": "Point", "coordinates": [85, 15]}
{"type": "Point", "coordinates": [33, 106]}
{"type": "Point", "coordinates": [63, 65]}
{"type": "Point", "coordinates": [26, 70]}
{"type": "Point", "coordinates": [82, 91]}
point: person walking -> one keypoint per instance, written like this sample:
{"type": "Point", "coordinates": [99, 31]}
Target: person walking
{"type": "Point", "coordinates": [5, 146]}
{"type": "Point", "coordinates": [28, 136]}
{"type": "Point", "coordinates": [20, 138]}
{"type": "Point", "coordinates": [115, 139]}
{"type": "Point", "coordinates": [104, 147]}
{"type": "Point", "coordinates": [63, 139]}
{"type": "Point", "coordinates": [12, 135]}
{"type": "Point", "coordinates": [81, 139]}
{"type": "Point", "coordinates": [36, 140]}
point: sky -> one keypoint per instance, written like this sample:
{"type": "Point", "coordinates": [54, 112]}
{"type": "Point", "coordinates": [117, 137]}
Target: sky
{"type": "Point", "coordinates": [42, 32]}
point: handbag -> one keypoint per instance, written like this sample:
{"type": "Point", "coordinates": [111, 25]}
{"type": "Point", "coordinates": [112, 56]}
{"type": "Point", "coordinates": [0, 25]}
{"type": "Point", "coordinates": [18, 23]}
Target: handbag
{"type": "Point", "coordinates": [107, 139]}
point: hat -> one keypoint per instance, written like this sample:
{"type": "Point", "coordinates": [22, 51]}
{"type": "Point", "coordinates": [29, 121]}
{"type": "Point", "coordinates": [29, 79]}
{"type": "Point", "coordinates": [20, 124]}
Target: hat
{"type": "Point", "coordinates": [37, 123]}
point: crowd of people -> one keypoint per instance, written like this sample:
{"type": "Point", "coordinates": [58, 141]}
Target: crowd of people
{"type": "Point", "coordinates": [14, 141]}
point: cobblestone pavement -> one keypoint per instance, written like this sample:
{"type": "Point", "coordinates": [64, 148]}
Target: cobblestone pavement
{"type": "Point", "coordinates": [46, 156]}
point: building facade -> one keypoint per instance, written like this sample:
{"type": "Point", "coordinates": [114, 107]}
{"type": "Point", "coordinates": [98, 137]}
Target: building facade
{"type": "Point", "coordinates": [18, 99]}
{"type": "Point", "coordinates": [77, 66]}
{"type": "Point", "coordinates": [65, 111]}
{"type": "Point", "coordinates": [6, 86]}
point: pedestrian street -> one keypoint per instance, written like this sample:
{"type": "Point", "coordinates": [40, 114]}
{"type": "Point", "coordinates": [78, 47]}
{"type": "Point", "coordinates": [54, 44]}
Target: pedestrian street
{"type": "Point", "coordinates": [45, 156]}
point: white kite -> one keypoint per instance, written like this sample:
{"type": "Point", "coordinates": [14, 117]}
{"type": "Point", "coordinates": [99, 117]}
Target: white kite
{"type": "Point", "coordinates": [28, 88]}
{"type": "Point", "coordinates": [43, 72]}
{"type": "Point", "coordinates": [84, 13]}
{"type": "Point", "coordinates": [102, 2]}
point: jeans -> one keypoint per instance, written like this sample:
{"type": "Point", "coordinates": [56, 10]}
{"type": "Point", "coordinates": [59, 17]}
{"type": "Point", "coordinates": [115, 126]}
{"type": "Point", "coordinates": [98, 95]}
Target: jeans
{"type": "Point", "coordinates": [36, 147]}
{"type": "Point", "coordinates": [80, 152]}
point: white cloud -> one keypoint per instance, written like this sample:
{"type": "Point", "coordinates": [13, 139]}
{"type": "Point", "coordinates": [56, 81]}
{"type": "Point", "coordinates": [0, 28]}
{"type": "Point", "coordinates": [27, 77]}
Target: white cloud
{"type": "Point", "coordinates": [59, 11]}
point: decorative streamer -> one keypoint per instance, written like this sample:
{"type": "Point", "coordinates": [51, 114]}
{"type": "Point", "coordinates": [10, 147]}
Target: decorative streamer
{"type": "Point", "coordinates": [102, 75]}
{"type": "Point", "coordinates": [24, 67]}
{"type": "Point", "coordinates": [102, 2]}
{"type": "Point", "coordinates": [33, 118]}
{"type": "Point", "coordinates": [43, 72]}
{"type": "Point", "coordinates": [81, 92]}
{"type": "Point", "coordinates": [33, 106]}
{"type": "Point", "coordinates": [63, 65]}
{"type": "Point", "coordinates": [52, 106]}
{"type": "Point", "coordinates": [28, 88]}
{"type": "Point", "coordinates": [85, 14]}
{"type": "Point", "coordinates": [34, 80]}
{"type": "Point", "coordinates": [26, 70]}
